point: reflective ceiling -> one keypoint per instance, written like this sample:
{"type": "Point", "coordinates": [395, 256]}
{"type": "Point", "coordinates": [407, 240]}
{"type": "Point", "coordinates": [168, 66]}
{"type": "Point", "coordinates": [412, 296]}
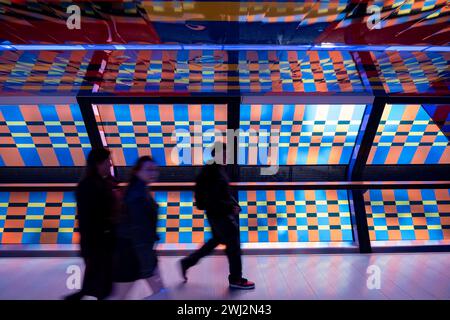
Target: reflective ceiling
{"type": "Point", "coordinates": [401, 22]}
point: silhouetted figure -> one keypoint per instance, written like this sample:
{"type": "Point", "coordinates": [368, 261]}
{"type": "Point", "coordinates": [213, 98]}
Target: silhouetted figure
{"type": "Point", "coordinates": [96, 205]}
{"type": "Point", "coordinates": [212, 193]}
{"type": "Point", "coordinates": [135, 256]}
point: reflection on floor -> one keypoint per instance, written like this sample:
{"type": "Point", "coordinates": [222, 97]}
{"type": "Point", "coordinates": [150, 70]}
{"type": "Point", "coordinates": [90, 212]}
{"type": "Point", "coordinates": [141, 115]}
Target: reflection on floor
{"type": "Point", "coordinates": [314, 276]}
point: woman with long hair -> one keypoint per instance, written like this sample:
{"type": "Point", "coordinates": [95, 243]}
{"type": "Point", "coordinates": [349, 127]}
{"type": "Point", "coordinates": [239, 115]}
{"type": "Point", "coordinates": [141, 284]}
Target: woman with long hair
{"type": "Point", "coordinates": [96, 204]}
{"type": "Point", "coordinates": [135, 257]}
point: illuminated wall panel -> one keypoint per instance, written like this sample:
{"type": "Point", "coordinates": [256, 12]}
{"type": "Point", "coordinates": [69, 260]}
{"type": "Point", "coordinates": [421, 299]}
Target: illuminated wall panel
{"type": "Point", "coordinates": [408, 214]}
{"type": "Point", "coordinates": [42, 136]}
{"type": "Point", "coordinates": [38, 217]}
{"type": "Point", "coordinates": [179, 220]}
{"type": "Point", "coordinates": [295, 216]}
{"type": "Point", "coordinates": [309, 134]}
{"type": "Point", "coordinates": [131, 131]}
{"type": "Point", "coordinates": [407, 135]}
{"type": "Point", "coordinates": [266, 217]}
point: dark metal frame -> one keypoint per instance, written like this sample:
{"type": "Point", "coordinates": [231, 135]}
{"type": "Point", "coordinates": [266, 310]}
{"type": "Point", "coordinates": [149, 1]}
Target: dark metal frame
{"type": "Point", "coordinates": [356, 170]}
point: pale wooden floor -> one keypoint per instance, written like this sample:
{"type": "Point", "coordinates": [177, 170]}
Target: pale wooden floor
{"type": "Point", "coordinates": [314, 276]}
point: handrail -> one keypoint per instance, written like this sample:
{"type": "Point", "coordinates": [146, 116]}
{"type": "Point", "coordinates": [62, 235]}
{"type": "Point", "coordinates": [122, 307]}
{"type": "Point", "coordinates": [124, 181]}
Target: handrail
{"type": "Point", "coordinates": [304, 185]}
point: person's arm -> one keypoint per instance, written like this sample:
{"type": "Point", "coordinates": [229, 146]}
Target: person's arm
{"type": "Point", "coordinates": [88, 216]}
{"type": "Point", "coordinates": [139, 212]}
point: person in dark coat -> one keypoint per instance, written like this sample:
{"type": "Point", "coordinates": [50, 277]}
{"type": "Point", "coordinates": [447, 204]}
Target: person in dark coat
{"type": "Point", "coordinates": [96, 203]}
{"type": "Point", "coordinates": [135, 256]}
{"type": "Point", "coordinates": [222, 210]}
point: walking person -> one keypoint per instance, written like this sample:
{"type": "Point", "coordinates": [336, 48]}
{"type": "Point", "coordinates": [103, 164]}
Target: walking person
{"type": "Point", "coordinates": [213, 194]}
{"type": "Point", "coordinates": [96, 204]}
{"type": "Point", "coordinates": [135, 256]}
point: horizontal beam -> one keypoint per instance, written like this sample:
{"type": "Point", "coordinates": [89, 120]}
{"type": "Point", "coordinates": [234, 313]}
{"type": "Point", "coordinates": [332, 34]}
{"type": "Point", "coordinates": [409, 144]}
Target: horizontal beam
{"type": "Point", "coordinates": [37, 99]}
{"type": "Point", "coordinates": [226, 47]}
{"type": "Point", "coordinates": [179, 186]}
{"type": "Point", "coordinates": [309, 99]}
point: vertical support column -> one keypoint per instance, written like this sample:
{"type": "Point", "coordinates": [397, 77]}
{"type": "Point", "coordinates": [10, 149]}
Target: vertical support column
{"type": "Point", "coordinates": [89, 121]}
{"type": "Point", "coordinates": [359, 220]}
{"type": "Point", "coordinates": [233, 110]}
{"type": "Point", "coordinates": [369, 126]}
{"type": "Point", "coordinates": [233, 115]}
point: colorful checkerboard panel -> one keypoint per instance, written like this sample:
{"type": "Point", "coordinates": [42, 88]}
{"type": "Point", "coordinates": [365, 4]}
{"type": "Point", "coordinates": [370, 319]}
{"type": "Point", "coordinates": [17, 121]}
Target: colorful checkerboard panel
{"type": "Point", "coordinates": [407, 135]}
{"type": "Point", "coordinates": [43, 71]}
{"type": "Point", "coordinates": [308, 134]}
{"type": "Point", "coordinates": [295, 216]}
{"type": "Point", "coordinates": [179, 220]}
{"type": "Point", "coordinates": [38, 218]}
{"type": "Point", "coordinates": [42, 135]}
{"type": "Point", "coordinates": [171, 134]}
{"type": "Point", "coordinates": [413, 72]}
{"type": "Point", "coordinates": [298, 71]}
{"type": "Point", "coordinates": [166, 71]}
{"type": "Point", "coordinates": [408, 214]}
{"type": "Point", "coordinates": [267, 216]}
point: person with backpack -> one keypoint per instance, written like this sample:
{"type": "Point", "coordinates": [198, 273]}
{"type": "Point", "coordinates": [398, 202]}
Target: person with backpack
{"type": "Point", "coordinates": [213, 194]}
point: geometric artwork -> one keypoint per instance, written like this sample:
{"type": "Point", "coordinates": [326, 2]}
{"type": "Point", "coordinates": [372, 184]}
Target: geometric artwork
{"type": "Point", "coordinates": [38, 218]}
{"type": "Point", "coordinates": [174, 135]}
{"type": "Point", "coordinates": [298, 71]}
{"type": "Point", "coordinates": [407, 135]}
{"type": "Point", "coordinates": [408, 214]}
{"type": "Point", "coordinates": [308, 134]}
{"type": "Point", "coordinates": [47, 72]}
{"type": "Point", "coordinates": [295, 216]}
{"type": "Point", "coordinates": [42, 135]}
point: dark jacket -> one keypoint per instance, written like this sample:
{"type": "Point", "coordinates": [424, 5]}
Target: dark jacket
{"type": "Point", "coordinates": [141, 213]}
{"type": "Point", "coordinates": [95, 205]}
{"type": "Point", "coordinates": [213, 182]}
{"type": "Point", "coordinates": [135, 257]}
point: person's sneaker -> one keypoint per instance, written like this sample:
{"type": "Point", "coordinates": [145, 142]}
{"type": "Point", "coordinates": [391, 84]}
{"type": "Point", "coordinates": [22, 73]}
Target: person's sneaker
{"type": "Point", "coordinates": [183, 267]}
{"type": "Point", "coordinates": [243, 284]}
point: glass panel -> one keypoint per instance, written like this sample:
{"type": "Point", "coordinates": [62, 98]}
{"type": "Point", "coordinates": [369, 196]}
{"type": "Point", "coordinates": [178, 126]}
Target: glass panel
{"type": "Point", "coordinates": [43, 136]}
{"type": "Point", "coordinates": [295, 216]}
{"type": "Point", "coordinates": [309, 134]}
{"type": "Point", "coordinates": [38, 218]}
{"type": "Point", "coordinates": [408, 214]}
{"type": "Point", "coordinates": [266, 217]}
{"type": "Point", "coordinates": [172, 134]}
{"type": "Point", "coordinates": [408, 135]}
{"type": "Point", "coordinates": [413, 72]}
{"type": "Point", "coordinates": [43, 72]}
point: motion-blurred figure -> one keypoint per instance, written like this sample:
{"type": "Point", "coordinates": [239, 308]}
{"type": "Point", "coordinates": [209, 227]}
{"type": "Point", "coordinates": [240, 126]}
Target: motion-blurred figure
{"type": "Point", "coordinates": [96, 205]}
{"type": "Point", "coordinates": [135, 256]}
{"type": "Point", "coordinates": [213, 194]}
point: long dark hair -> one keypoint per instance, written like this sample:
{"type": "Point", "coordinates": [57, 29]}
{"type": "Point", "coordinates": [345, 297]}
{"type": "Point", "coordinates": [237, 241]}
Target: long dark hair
{"type": "Point", "coordinates": [95, 157]}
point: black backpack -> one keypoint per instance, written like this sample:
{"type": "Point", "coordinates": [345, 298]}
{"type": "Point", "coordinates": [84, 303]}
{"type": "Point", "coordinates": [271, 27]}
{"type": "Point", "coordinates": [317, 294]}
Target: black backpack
{"type": "Point", "coordinates": [200, 192]}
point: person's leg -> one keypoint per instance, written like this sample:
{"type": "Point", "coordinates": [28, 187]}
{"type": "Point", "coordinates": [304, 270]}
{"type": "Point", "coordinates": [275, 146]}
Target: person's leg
{"type": "Point", "coordinates": [230, 229]}
{"type": "Point", "coordinates": [194, 257]}
{"type": "Point", "coordinates": [233, 252]}
{"type": "Point", "coordinates": [155, 281]}
{"type": "Point", "coordinates": [205, 250]}
{"type": "Point", "coordinates": [121, 290]}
